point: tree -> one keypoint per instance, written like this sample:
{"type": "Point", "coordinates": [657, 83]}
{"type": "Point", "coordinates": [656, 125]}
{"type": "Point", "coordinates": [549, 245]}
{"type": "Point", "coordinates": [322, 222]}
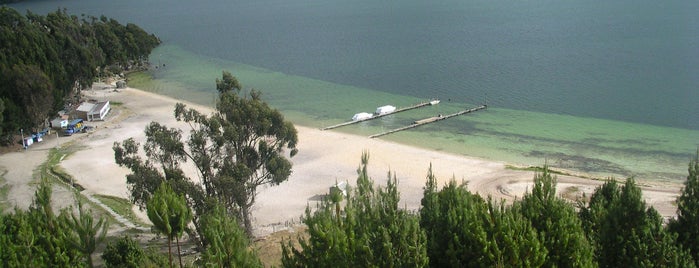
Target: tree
{"type": "Point", "coordinates": [685, 226]}
{"type": "Point", "coordinates": [170, 215]}
{"type": "Point", "coordinates": [464, 230]}
{"type": "Point", "coordinates": [125, 252]}
{"type": "Point", "coordinates": [373, 232]}
{"type": "Point", "coordinates": [45, 60]}
{"type": "Point", "coordinates": [36, 238]}
{"type": "Point", "coordinates": [228, 243]}
{"type": "Point", "coordinates": [559, 227]}
{"type": "Point", "coordinates": [85, 234]}
{"type": "Point", "coordinates": [627, 233]}
{"type": "Point", "coordinates": [235, 150]}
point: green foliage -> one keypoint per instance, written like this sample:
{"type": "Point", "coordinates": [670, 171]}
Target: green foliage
{"type": "Point", "coordinates": [627, 233]}
{"type": "Point", "coordinates": [235, 150]}
{"type": "Point", "coordinates": [685, 226]}
{"type": "Point", "coordinates": [464, 230]}
{"type": "Point", "coordinates": [37, 238]}
{"type": "Point", "coordinates": [228, 243]}
{"type": "Point", "coordinates": [43, 59]}
{"type": "Point", "coordinates": [559, 228]}
{"type": "Point", "coordinates": [85, 234]}
{"type": "Point", "coordinates": [373, 232]}
{"type": "Point", "coordinates": [125, 252]}
{"type": "Point", "coordinates": [170, 215]}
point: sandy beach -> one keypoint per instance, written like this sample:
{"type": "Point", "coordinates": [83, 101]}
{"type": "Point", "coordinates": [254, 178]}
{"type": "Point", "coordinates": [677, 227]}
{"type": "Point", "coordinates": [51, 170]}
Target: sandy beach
{"type": "Point", "coordinates": [324, 157]}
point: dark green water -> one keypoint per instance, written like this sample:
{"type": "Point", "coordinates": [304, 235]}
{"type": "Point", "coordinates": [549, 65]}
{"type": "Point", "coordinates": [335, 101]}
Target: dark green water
{"type": "Point", "coordinates": [608, 88]}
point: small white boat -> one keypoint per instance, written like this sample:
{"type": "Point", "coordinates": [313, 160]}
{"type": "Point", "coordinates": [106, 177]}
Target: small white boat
{"type": "Point", "coordinates": [386, 109]}
{"type": "Point", "coordinates": [361, 116]}
{"type": "Point", "coordinates": [434, 102]}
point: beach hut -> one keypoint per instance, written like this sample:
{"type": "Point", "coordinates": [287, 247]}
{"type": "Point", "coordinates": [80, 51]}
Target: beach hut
{"type": "Point", "coordinates": [386, 109]}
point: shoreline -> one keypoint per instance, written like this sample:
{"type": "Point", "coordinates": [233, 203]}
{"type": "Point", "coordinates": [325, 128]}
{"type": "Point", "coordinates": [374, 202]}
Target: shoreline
{"type": "Point", "coordinates": [324, 157]}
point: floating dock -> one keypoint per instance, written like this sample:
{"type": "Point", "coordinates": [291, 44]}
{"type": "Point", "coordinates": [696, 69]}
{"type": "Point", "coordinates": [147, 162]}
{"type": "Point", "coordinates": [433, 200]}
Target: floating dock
{"type": "Point", "coordinates": [419, 105]}
{"type": "Point", "coordinates": [429, 120]}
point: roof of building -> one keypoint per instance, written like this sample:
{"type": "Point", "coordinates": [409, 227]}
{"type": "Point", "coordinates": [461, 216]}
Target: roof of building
{"type": "Point", "coordinates": [98, 107]}
{"type": "Point", "coordinates": [86, 107]}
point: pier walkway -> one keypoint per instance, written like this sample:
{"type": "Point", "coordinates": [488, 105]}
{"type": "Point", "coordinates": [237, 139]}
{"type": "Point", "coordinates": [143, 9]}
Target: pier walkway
{"type": "Point", "coordinates": [429, 120]}
{"type": "Point", "coordinates": [419, 105]}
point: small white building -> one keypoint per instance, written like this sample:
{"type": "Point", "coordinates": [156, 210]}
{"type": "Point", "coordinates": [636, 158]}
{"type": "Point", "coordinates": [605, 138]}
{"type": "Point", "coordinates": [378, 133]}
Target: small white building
{"type": "Point", "coordinates": [386, 109]}
{"type": "Point", "coordinates": [361, 116]}
{"type": "Point", "coordinates": [60, 122]}
{"type": "Point", "coordinates": [93, 111]}
{"type": "Point", "coordinates": [99, 111]}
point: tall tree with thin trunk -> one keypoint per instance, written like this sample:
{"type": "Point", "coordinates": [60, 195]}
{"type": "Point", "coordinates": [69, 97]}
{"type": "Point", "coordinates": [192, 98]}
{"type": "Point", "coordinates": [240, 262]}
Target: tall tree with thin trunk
{"type": "Point", "coordinates": [170, 215]}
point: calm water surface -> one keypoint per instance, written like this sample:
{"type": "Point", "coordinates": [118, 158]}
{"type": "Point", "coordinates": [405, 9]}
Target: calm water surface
{"type": "Point", "coordinates": [609, 88]}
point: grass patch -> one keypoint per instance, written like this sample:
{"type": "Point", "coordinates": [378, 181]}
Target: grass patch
{"type": "Point", "coordinates": [122, 207]}
{"type": "Point", "coordinates": [51, 169]}
{"type": "Point", "coordinates": [116, 103]}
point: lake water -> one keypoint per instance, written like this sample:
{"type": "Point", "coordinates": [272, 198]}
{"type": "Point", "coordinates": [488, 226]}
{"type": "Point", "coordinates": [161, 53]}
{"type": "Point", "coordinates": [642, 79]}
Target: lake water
{"type": "Point", "coordinates": [607, 88]}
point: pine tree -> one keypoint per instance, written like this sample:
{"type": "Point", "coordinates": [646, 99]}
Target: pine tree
{"type": "Point", "coordinates": [228, 244]}
{"type": "Point", "coordinates": [629, 234]}
{"type": "Point", "coordinates": [687, 222]}
{"type": "Point", "coordinates": [464, 230]}
{"type": "Point", "coordinates": [373, 232]}
{"type": "Point", "coordinates": [84, 233]}
{"type": "Point", "coordinates": [559, 228]}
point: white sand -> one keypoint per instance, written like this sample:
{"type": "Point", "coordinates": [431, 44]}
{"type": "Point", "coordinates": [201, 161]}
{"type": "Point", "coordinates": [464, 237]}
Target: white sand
{"type": "Point", "coordinates": [324, 157]}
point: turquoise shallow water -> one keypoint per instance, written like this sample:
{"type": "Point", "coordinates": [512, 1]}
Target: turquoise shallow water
{"type": "Point", "coordinates": [596, 146]}
{"type": "Point", "coordinates": [606, 87]}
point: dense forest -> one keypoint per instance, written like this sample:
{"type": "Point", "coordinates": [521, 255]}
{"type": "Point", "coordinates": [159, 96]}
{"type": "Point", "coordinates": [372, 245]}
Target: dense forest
{"type": "Point", "coordinates": [46, 60]}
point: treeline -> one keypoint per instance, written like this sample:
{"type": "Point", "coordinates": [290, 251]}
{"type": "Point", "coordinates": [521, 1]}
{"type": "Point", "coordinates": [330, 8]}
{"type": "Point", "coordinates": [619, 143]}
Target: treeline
{"type": "Point", "coordinates": [456, 228]}
{"type": "Point", "coordinates": [45, 59]}
{"type": "Point", "coordinates": [367, 228]}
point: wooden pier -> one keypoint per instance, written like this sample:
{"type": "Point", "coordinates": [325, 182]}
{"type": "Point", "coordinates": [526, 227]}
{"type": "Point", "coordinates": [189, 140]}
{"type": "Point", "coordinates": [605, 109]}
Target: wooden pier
{"type": "Point", "coordinates": [429, 120]}
{"type": "Point", "coordinates": [419, 105]}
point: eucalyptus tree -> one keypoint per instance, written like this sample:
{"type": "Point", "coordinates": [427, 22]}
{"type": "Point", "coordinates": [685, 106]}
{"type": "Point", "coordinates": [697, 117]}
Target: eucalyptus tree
{"type": "Point", "coordinates": [238, 148]}
{"type": "Point", "coordinates": [170, 215]}
{"type": "Point", "coordinates": [371, 232]}
{"type": "Point", "coordinates": [687, 221]}
{"type": "Point", "coordinates": [46, 60]}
